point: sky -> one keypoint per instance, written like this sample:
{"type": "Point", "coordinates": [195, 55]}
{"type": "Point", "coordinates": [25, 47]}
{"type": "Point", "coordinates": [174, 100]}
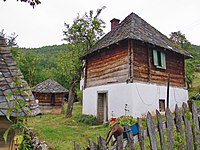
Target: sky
{"type": "Point", "coordinates": [44, 25]}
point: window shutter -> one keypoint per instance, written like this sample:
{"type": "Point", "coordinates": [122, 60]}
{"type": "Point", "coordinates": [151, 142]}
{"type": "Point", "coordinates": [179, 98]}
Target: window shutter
{"type": "Point", "coordinates": [163, 60]}
{"type": "Point", "coordinates": [155, 57]}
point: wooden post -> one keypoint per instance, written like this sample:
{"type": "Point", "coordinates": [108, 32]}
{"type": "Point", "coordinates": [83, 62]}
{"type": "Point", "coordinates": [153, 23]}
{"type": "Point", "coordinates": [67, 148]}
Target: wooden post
{"type": "Point", "coordinates": [188, 130]}
{"type": "Point", "coordinates": [170, 124]}
{"type": "Point", "coordinates": [161, 130]}
{"type": "Point", "coordinates": [168, 84]}
{"type": "Point", "coordinates": [129, 137]}
{"type": "Point", "coordinates": [152, 132]}
{"type": "Point", "coordinates": [141, 135]}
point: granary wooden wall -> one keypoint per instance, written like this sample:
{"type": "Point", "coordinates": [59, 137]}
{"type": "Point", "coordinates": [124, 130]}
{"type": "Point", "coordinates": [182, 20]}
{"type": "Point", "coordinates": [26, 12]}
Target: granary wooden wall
{"type": "Point", "coordinates": [144, 69]}
{"type": "Point", "coordinates": [109, 66]}
{"type": "Point", "coordinates": [132, 60]}
{"type": "Point", "coordinates": [45, 98]}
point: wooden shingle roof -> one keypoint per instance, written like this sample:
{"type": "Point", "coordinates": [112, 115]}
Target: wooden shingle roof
{"type": "Point", "coordinates": [8, 74]}
{"type": "Point", "coordinates": [134, 27]}
{"type": "Point", "coordinates": [49, 86]}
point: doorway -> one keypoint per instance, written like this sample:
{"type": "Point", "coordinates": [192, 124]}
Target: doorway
{"type": "Point", "coordinates": [102, 107]}
{"type": "Point", "coordinates": [53, 99]}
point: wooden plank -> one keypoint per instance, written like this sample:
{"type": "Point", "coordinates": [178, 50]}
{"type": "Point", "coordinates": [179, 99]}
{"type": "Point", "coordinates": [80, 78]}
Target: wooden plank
{"type": "Point", "coordinates": [141, 135]}
{"type": "Point", "coordinates": [129, 137]}
{"type": "Point", "coordinates": [120, 142]}
{"type": "Point", "coordinates": [77, 147]}
{"type": "Point", "coordinates": [170, 124]}
{"type": "Point", "coordinates": [161, 130]}
{"type": "Point", "coordinates": [178, 120]}
{"type": "Point", "coordinates": [101, 143]}
{"type": "Point", "coordinates": [93, 145]}
{"type": "Point", "coordinates": [195, 127]}
{"type": "Point", "coordinates": [188, 130]}
{"type": "Point", "coordinates": [152, 132]}
{"type": "Point", "coordinates": [132, 56]}
{"type": "Point", "coordinates": [178, 123]}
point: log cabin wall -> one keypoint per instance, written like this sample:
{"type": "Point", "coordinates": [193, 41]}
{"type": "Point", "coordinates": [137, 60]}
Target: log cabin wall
{"type": "Point", "coordinates": [108, 66]}
{"type": "Point", "coordinates": [45, 98]}
{"type": "Point", "coordinates": [4, 125]}
{"type": "Point", "coordinates": [144, 69]}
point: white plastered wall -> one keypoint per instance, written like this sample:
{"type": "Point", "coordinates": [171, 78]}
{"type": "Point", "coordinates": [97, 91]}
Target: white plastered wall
{"type": "Point", "coordinates": [139, 97]}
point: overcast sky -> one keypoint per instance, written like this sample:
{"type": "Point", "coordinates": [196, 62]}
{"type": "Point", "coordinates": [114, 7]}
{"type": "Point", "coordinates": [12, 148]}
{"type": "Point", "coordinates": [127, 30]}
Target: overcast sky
{"type": "Point", "coordinates": [43, 25]}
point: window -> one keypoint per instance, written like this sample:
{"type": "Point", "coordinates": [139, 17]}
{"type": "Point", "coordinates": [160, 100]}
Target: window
{"type": "Point", "coordinates": [159, 59]}
{"type": "Point", "coordinates": [161, 105]}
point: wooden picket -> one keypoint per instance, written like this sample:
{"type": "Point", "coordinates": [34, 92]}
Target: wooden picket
{"type": "Point", "coordinates": [185, 124]}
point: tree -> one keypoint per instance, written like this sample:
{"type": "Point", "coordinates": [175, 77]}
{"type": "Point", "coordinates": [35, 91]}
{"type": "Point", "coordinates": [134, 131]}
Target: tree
{"type": "Point", "coordinates": [33, 3]}
{"type": "Point", "coordinates": [28, 63]}
{"type": "Point", "coordinates": [180, 39]}
{"type": "Point", "coordinates": [10, 39]}
{"type": "Point", "coordinates": [81, 35]}
{"type": "Point", "coordinates": [190, 70]}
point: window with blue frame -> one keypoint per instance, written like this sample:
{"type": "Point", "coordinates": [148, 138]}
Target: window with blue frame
{"type": "Point", "coordinates": [159, 59]}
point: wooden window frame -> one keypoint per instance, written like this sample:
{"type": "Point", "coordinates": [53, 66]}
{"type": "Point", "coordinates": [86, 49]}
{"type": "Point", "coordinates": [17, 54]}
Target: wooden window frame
{"type": "Point", "coordinates": [162, 103]}
{"type": "Point", "coordinates": [159, 59]}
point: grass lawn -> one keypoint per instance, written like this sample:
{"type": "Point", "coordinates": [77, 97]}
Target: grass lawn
{"type": "Point", "coordinates": [60, 132]}
{"type": "Point", "coordinates": [195, 86]}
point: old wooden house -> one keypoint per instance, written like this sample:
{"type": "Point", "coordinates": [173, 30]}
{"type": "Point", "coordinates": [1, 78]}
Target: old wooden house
{"type": "Point", "coordinates": [8, 75]}
{"type": "Point", "coordinates": [50, 95]}
{"type": "Point", "coordinates": [126, 72]}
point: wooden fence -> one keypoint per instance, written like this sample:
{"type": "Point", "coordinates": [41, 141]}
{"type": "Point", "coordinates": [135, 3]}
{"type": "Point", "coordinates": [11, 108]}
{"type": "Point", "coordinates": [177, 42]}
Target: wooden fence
{"type": "Point", "coordinates": [167, 132]}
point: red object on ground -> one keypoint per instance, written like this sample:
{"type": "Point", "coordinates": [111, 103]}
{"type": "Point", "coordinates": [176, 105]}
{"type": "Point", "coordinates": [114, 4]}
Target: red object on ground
{"type": "Point", "coordinates": [113, 119]}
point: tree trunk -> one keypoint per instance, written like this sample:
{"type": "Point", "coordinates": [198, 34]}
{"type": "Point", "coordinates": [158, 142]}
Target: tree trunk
{"type": "Point", "coordinates": [71, 98]}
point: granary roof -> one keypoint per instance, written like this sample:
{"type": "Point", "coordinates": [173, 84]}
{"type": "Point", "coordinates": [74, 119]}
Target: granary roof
{"type": "Point", "coordinates": [134, 27]}
{"type": "Point", "coordinates": [49, 86]}
{"type": "Point", "coordinates": [8, 74]}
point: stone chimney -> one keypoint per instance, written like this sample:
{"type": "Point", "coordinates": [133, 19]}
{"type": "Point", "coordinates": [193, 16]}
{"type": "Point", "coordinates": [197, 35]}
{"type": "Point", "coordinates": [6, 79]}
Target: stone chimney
{"type": "Point", "coordinates": [114, 23]}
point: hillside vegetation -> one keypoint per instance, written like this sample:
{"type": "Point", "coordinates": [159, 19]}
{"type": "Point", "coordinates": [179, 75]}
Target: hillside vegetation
{"type": "Point", "coordinates": [39, 64]}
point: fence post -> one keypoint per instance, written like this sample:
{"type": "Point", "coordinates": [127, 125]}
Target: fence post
{"type": "Point", "coordinates": [170, 124]}
{"type": "Point", "coordinates": [93, 145]}
{"type": "Point", "coordinates": [120, 142]}
{"type": "Point", "coordinates": [129, 137]}
{"type": "Point", "coordinates": [152, 132]}
{"type": "Point", "coordinates": [195, 128]}
{"type": "Point", "coordinates": [102, 143]}
{"type": "Point", "coordinates": [178, 123]}
{"type": "Point", "coordinates": [141, 135]}
{"type": "Point", "coordinates": [76, 146]}
{"type": "Point", "coordinates": [188, 130]}
{"type": "Point", "coordinates": [161, 130]}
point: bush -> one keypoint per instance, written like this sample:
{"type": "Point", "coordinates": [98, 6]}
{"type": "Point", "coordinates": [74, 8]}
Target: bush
{"type": "Point", "coordinates": [123, 120]}
{"type": "Point", "coordinates": [88, 119]}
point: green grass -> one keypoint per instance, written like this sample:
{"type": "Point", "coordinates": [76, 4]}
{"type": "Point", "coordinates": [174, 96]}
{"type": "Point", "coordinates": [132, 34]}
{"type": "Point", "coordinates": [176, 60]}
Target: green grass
{"type": "Point", "coordinates": [60, 133]}
{"type": "Point", "coordinates": [195, 86]}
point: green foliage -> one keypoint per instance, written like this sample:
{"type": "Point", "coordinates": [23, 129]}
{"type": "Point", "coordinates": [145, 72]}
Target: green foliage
{"type": "Point", "coordinates": [79, 94]}
{"type": "Point", "coordinates": [124, 120]}
{"type": "Point", "coordinates": [39, 64]}
{"type": "Point", "coordinates": [88, 119]}
{"type": "Point", "coordinates": [190, 70]}
{"type": "Point", "coordinates": [180, 39]}
{"type": "Point", "coordinates": [18, 107]}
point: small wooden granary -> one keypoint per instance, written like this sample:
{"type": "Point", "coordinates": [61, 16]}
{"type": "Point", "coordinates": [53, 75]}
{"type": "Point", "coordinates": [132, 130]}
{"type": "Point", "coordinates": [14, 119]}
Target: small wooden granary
{"type": "Point", "coordinates": [8, 74]}
{"type": "Point", "coordinates": [50, 95]}
{"type": "Point", "coordinates": [126, 72]}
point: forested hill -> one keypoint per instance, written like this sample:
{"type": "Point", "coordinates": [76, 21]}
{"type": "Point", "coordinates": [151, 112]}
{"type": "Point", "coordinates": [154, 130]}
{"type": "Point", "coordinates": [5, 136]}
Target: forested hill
{"type": "Point", "coordinates": [195, 51]}
{"type": "Point", "coordinates": [39, 64]}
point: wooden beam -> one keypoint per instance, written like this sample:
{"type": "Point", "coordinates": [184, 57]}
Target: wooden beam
{"type": "Point", "coordinates": [149, 62]}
